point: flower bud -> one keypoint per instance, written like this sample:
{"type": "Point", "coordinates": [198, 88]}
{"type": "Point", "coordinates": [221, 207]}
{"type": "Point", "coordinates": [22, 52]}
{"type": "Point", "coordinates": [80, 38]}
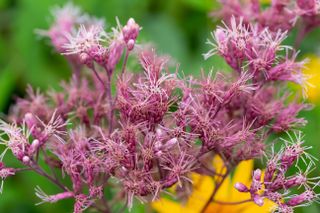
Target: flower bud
{"type": "Point", "coordinates": [157, 145]}
{"type": "Point", "coordinates": [130, 31]}
{"type": "Point", "coordinates": [25, 159]}
{"type": "Point", "coordinates": [159, 153]}
{"type": "Point", "coordinates": [6, 172]}
{"type": "Point", "coordinates": [171, 142]}
{"type": "Point", "coordinates": [30, 120]}
{"type": "Point", "coordinates": [159, 133]}
{"type": "Point", "coordinates": [306, 196]}
{"type": "Point", "coordinates": [130, 44]}
{"type": "Point", "coordinates": [34, 147]}
{"type": "Point", "coordinates": [295, 181]}
{"type": "Point", "coordinates": [115, 52]}
{"type": "Point", "coordinates": [241, 187]}
{"type": "Point", "coordinates": [257, 175]}
{"type": "Point", "coordinates": [307, 5]}
{"type": "Point", "coordinates": [86, 59]}
{"type": "Point", "coordinates": [258, 200]}
{"type": "Point", "coordinates": [220, 35]}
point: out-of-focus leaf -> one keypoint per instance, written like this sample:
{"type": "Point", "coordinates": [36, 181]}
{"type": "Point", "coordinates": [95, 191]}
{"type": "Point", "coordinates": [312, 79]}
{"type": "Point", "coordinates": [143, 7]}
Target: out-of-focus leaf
{"type": "Point", "coordinates": [3, 3]}
{"type": "Point", "coordinates": [138, 207]}
{"type": "Point", "coordinates": [311, 130]}
{"type": "Point", "coordinates": [167, 36]}
{"type": "Point", "coordinates": [123, 9]}
{"type": "Point", "coordinates": [39, 70]}
{"type": "Point", "coordinates": [310, 209]}
{"type": "Point", "coordinates": [204, 5]}
{"type": "Point", "coordinates": [7, 85]}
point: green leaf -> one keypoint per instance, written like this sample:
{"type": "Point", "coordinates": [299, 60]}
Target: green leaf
{"type": "Point", "coordinates": [203, 5]}
{"type": "Point", "coordinates": [7, 85]}
{"type": "Point", "coordinates": [40, 66]}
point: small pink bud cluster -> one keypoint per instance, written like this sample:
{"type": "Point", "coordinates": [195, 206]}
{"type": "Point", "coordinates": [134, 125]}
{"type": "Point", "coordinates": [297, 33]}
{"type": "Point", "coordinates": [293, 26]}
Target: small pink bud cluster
{"type": "Point", "coordinates": [4, 173]}
{"type": "Point", "coordinates": [87, 45]}
{"type": "Point", "coordinates": [130, 33]}
{"type": "Point", "coordinates": [18, 138]}
{"type": "Point", "coordinates": [92, 44]}
{"type": "Point", "coordinates": [66, 19]}
{"type": "Point", "coordinates": [276, 184]}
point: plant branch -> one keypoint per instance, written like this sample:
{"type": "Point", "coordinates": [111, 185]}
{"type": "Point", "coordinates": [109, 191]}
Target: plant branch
{"type": "Point", "coordinates": [232, 203]}
{"type": "Point", "coordinates": [98, 76]}
{"type": "Point", "coordinates": [41, 172]}
{"type": "Point", "coordinates": [125, 62]}
{"type": "Point", "coordinates": [217, 186]}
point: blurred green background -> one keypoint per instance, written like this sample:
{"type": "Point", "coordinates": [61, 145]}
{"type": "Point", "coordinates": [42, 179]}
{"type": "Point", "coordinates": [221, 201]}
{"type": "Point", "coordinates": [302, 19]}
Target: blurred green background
{"type": "Point", "coordinates": [176, 27]}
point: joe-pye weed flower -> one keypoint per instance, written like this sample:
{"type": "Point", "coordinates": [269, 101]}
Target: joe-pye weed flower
{"type": "Point", "coordinates": [157, 128]}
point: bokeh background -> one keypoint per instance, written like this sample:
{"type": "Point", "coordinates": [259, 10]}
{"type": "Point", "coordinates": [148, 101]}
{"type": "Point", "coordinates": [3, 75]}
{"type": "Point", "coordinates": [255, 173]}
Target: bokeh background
{"type": "Point", "coordinates": [176, 27]}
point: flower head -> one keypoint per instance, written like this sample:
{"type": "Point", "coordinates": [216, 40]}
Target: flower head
{"type": "Point", "coordinates": [87, 45]}
{"type": "Point", "coordinates": [4, 173]}
{"type": "Point", "coordinates": [276, 185]}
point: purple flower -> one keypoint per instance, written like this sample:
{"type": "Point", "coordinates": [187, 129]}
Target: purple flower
{"type": "Point", "coordinates": [156, 128]}
{"type": "Point", "coordinates": [276, 184]}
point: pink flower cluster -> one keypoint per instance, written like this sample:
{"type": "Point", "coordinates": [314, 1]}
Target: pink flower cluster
{"type": "Point", "coordinates": [156, 128]}
{"type": "Point", "coordinates": [276, 183]}
{"type": "Point", "coordinates": [281, 14]}
{"type": "Point", "coordinates": [258, 52]}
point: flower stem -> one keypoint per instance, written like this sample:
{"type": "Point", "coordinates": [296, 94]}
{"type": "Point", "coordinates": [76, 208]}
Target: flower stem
{"type": "Point", "coordinates": [109, 97]}
{"type": "Point", "coordinates": [125, 62]}
{"type": "Point", "coordinates": [98, 76]}
{"type": "Point", "coordinates": [214, 192]}
{"type": "Point", "coordinates": [231, 203]}
{"type": "Point", "coordinates": [41, 172]}
{"type": "Point", "coordinates": [210, 171]}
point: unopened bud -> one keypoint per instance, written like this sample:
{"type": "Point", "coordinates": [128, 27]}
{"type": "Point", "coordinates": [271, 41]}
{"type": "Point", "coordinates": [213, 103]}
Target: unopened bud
{"type": "Point", "coordinates": [28, 116]}
{"type": "Point", "coordinates": [130, 30]}
{"type": "Point", "coordinates": [85, 59]}
{"type": "Point", "coordinates": [171, 142]}
{"type": "Point", "coordinates": [130, 44]}
{"type": "Point", "coordinates": [25, 159]}
{"type": "Point", "coordinates": [131, 21]}
{"type": "Point", "coordinates": [241, 187]}
{"type": "Point", "coordinates": [257, 174]}
{"type": "Point", "coordinates": [157, 145]}
{"type": "Point", "coordinates": [34, 146]}
{"type": "Point", "coordinates": [35, 143]}
{"type": "Point", "coordinates": [306, 196]}
{"type": "Point", "coordinates": [308, 5]}
{"type": "Point", "coordinates": [30, 120]}
{"type": "Point", "coordinates": [159, 132]}
{"type": "Point", "coordinates": [220, 35]}
{"type": "Point", "coordinates": [258, 200]}
{"type": "Point", "coordinates": [159, 153]}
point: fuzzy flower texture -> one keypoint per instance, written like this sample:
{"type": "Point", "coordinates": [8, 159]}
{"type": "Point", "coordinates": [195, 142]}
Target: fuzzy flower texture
{"type": "Point", "coordinates": [156, 129]}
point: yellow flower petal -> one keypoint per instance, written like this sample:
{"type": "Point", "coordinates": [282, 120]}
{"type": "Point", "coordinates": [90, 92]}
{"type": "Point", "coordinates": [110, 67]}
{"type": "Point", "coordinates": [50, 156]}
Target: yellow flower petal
{"type": "Point", "coordinates": [313, 83]}
{"type": "Point", "coordinates": [243, 174]}
{"type": "Point", "coordinates": [218, 165]}
{"type": "Point", "coordinates": [164, 205]}
{"type": "Point", "coordinates": [203, 187]}
{"type": "Point", "coordinates": [253, 208]}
